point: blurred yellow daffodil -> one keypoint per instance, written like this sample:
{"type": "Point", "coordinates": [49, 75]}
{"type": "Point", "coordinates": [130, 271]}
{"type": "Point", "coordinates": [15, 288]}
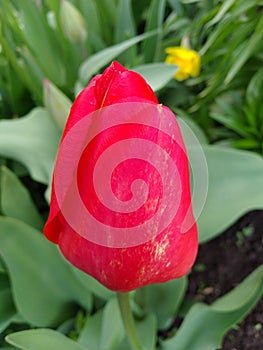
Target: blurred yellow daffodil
{"type": "Point", "coordinates": [187, 60]}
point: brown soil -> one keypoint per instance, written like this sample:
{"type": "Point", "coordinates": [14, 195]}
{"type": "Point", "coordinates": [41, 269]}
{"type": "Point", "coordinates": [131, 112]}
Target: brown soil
{"type": "Point", "coordinates": [221, 265]}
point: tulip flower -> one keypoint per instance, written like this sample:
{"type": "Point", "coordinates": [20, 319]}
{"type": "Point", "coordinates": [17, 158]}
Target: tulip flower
{"type": "Point", "coordinates": [121, 204]}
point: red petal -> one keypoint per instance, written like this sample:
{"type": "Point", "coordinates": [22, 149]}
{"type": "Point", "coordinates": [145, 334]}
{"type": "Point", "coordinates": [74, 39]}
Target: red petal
{"type": "Point", "coordinates": [118, 84]}
{"type": "Point", "coordinates": [131, 268]}
{"type": "Point", "coordinates": [115, 85]}
{"type": "Point", "coordinates": [84, 104]}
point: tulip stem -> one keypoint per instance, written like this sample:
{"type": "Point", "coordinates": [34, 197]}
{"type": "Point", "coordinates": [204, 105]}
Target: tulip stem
{"type": "Point", "coordinates": [128, 321]}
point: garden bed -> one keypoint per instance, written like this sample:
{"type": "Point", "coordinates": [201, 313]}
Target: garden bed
{"type": "Point", "coordinates": [221, 265]}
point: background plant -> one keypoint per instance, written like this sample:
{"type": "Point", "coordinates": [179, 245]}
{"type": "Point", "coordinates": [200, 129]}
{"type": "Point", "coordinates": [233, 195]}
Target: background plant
{"type": "Point", "coordinates": [40, 304]}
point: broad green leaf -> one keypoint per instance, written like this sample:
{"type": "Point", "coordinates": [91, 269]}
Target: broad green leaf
{"type": "Point", "coordinates": [204, 326]}
{"type": "Point", "coordinates": [112, 333]}
{"type": "Point", "coordinates": [93, 285]}
{"type": "Point", "coordinates": [101, 333]}
{"type": "Point", "coordinates": [43, 339]}
{"type": "Point", "coordinates": [43, 284]}
{"type": "Point", "coordinates": [147, 331]}
{"type": "Point", "coordinates": [2, 267]}
{"type": "Point", "coordinates": [157, 75]}
{"type": "Point", "coordinates": [249, 291]}
{"type": "Point", "coordinates": [235, 187]}
{"type": "Point", "coordinates": [163, 300]}
{"type": "Point", "coordinates": [194, 141]}
{"type": "Point", "coordinates": [57, 104]}
{"type": "Point", "coordinates": [4, 280]}
{"type": "Point", "coordinates": [91, 332]}
{"type": "Point", "coordinates": [7, 308]}
{"type": "Point", "coordinates": [97, 61]}
{"type": "Point", "coordinates": [16, 201]}
{"type": "Point", "coordinates": [32, 140]}
{"type": "Point", "coordinates": [183, 119]}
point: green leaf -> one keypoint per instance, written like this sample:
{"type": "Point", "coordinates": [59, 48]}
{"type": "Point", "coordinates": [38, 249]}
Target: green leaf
{"type": "Point", "coordinates": [108, 12]}
{"type": "Point", "coordinates": [91, 332]}
{"type": "Point", "coordinates": [254, 108]}
{"type": "Point", "coordinates": [16, 200]}
{"type": "Point", "coordinates": [19, 67]}
{"type": "Point", "coordinates": [42, 41]}
{"type": "Point", "coordinates": [183, 119]}
{"type": "Point", "coordinates": [147, 331]}
{"type": "Point", "coordinates": [125, 29]}
{"type": "Point", "coordinates": [30, 65]}
{"type": "Point", "coordinates": [157, 75]}
{"type": "Point", "coordinates": [101, 333]}
{"type": "Point", "coordinates": [112, 333]}
{"type": "Point", "coordinates": [42, 339]}
{"type": "Point", "coordinates": [154, 20]}
{"type": "Point", "coordinates": [163, 300]}
{"type": "Point", "coordinates": [204, 326]}
{"type": "Point", "coordinates": [231, 123]}
{"type": "Point", "coordinates": [221, 13]}
{"type": "Point", "coordinates": [2, 267]}
{"type": "Point", "coordinates": [43, 285]}
{"type": "Point", "coordinates": [93, 285]}
{"type": "Point", "coordinates": [247, 50]}
{"type": "Point", "coordinates": [90, 12]}
{"type": "Point", "coordinates": [235, 187]}
{"type": "Point", "coordinates": [7, 309]}
{"type": "Point", "coordinates": [32, 140]}
{"type": "Point", "coordinates": [246, 144]}
{"type": "Point", "coordinates": [97, 61]}
{"type": "Point", "coordinates": [255, 87]}
{"type": "Point", "coordinates": [4, 281]}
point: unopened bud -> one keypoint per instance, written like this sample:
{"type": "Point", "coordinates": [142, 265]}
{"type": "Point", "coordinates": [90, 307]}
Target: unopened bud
{"type": "Point", "coordinates": [57, 103]}
{"type": "Point", "coordinates": [72, 22]}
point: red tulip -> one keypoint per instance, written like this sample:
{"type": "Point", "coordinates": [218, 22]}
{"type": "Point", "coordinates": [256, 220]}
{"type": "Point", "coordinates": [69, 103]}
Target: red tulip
{"type": "Point", "coordinates": [121, 203]}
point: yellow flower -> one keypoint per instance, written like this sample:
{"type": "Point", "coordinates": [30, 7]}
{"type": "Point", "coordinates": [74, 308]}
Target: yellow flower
{"type": "Point", "coordinates": [188, 61]}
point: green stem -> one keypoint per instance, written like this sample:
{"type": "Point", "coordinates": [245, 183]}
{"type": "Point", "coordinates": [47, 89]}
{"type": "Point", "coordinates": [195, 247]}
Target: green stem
{"type": "Point", "coordinates": [128, 321]}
